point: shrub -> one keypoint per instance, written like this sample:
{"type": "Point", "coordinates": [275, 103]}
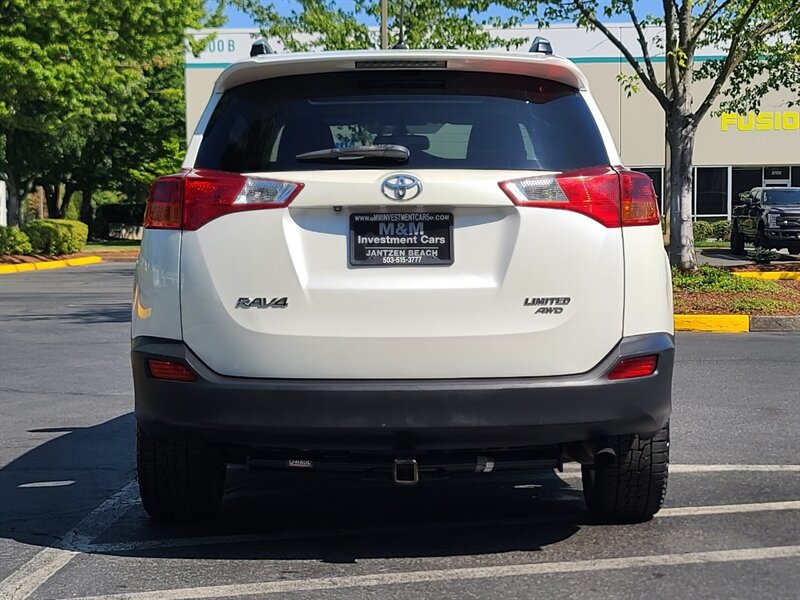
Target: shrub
{"type": "Point", "coordinates": [711, 279]}
{"type": "Point", "coordinates": [57, 236]}
{"type": "Point", "coordinates": [14, 241]}
{"type": "Point", "coordinates": [702, 230]}
{"type": "Point", "coordinates": [721, 230]}
{"type": "Point", "coordinates": [763, 256]}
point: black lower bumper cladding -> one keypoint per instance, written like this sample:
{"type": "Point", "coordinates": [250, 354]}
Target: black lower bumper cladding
{"type": "Point", "coordinates": [402, 416]}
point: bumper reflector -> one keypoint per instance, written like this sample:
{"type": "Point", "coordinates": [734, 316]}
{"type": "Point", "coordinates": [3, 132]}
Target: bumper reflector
{"type": "Point", "coordinates": [164, 369]}
{"type": "Point", "coordinates": [628, 368]}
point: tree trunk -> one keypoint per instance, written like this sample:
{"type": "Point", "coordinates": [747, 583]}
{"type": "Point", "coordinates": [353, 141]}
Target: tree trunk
{"type": "Point", "coordinates": [87, 212]}
{"type": "Point", "coordinates": [69, 189]}
{"type": "Point", "coordinates": [12, 201]}
{"type": "Point", "coordinates": [40, 202]}
{"type": "Point", "coordinates": [680, 137]}
{"type": "Point", "coordinates": [51, 196]}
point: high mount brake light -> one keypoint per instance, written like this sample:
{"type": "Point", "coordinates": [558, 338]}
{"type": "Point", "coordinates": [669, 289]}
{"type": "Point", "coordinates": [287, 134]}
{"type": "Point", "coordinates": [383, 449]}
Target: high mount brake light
{"type": "Point", "coordinates": [190, 199]}
{"type": "Point", "coordinates": [612, 198]}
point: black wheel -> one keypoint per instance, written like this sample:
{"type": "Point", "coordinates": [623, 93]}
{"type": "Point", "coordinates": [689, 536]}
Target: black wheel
{"type": "Point", "coordinates": [737, 240]}
{"type": "Point", "coordinates": [793, 250]}
{"type": "Point", "coordinates": [762, 241]}
{"type": "Point", "coordinates": [179, 479]}
{"type": "Point", "coordinates": [630, 487]}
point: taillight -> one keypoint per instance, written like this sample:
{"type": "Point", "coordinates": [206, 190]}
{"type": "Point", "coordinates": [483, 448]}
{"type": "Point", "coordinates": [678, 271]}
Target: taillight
{"type": "Point", "coordinates": [639, 200]}
{"type": "Point", "coordinates": [612, 198]}
{"type": "Point", "coordinates": [191, 199]}
{"type": "Point", "coordinates": [165, 203]}
{"type": "Point", "coordinates": [172, 371]}
{"type": "Point", "coordinates": [629, 368]}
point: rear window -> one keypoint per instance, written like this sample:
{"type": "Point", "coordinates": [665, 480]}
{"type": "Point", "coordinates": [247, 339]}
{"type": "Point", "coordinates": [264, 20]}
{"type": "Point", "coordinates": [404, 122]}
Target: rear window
{"type": "Point", "coordinates": [448, 120]}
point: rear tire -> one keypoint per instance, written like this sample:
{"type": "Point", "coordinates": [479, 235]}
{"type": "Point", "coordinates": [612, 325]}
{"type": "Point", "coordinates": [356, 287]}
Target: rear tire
{"type": "Point", "coordinates": [737, 241]}
{"type": "Point", "coordinates": [179, 479]}
{"type": "Point", "coordinates": [631, 487]}
{"type": "Point", "coordinates": [762, 241]}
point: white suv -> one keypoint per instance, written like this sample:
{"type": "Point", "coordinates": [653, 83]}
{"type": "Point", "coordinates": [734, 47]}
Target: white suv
{"type": "Point", "coordinates": [411, 264]}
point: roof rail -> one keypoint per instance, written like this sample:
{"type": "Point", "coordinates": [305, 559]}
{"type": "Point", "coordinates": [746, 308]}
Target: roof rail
{"type": "Point", "coordinates": [541, 45]}
{"type": "Point", "coordinates": [259, 47]}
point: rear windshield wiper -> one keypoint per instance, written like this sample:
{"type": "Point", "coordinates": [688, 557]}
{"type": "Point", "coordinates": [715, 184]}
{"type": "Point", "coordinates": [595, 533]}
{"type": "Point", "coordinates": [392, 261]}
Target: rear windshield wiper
{"type": "Point", "coordinates": [392, 152]}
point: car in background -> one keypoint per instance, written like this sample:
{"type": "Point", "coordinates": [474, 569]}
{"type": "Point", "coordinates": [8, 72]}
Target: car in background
{"type": "Point", "coordinates": [410, 265]}
{"type": "Point", "coordinates": [768, 217]}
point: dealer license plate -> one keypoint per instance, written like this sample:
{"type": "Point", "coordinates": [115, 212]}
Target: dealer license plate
{"type": "Point", "coordinates": [401, 238]}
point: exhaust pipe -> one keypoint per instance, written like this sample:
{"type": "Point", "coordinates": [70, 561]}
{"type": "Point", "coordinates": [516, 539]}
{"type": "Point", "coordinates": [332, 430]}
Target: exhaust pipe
{"type": "Point", "coordinates": [604, 457]}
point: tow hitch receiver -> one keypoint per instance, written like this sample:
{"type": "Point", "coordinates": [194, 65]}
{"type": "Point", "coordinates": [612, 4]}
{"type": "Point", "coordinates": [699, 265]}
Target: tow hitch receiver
{"type": "Point", "coordinates": [406, 471]}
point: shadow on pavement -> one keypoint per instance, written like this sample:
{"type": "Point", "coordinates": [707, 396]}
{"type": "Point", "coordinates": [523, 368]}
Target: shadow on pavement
{"type": "Point", "coordinates": [315, 516]}
{"type": "Point", "coordinates": [64, 479]}
{"type": "Point", "coordinates": [85, 314]}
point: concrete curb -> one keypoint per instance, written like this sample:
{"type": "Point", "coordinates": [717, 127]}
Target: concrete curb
{"type": "Point", "coordinates": [50, 264]}
{"type": "Point", "coordinates": [736, 323]}
{"type": "Point", "coordinates": [768, 274]}
{"type": "Point", "coordinates": [774, 323]}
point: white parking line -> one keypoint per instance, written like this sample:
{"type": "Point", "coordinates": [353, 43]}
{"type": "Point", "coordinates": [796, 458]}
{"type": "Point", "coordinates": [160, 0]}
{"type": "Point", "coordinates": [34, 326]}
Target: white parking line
{"type": "Point", "coordinates": [727, 509]}
{"type": "Point", "coordinates": [575, 469]}
{"type": "Point", "coordinates": [443, 575]}
{"type": "Point", "coordinates": [47, 562]}
{"type": "Point", "coordinates": [250, 538]}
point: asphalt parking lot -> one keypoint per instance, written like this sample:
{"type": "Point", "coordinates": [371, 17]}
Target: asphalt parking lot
{"type": "Point", "coordinates": [71, 525]}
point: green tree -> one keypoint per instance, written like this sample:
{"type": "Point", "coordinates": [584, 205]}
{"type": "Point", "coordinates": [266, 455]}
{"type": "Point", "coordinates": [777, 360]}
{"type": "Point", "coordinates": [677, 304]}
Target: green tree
{"type": "Point", "coordinates": [74, 77]}
{"type": "Point", "coordinates": [322, 25]}
{"type": "Point", "coordinates": [760, 42]}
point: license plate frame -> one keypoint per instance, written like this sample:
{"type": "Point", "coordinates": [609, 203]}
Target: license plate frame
{"type": "Point", "coordinates": [406, 239]}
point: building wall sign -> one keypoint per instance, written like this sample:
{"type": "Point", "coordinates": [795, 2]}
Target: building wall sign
{"type": "Point", "coordinates": [763, 121]}
{"type": "Point", "coordinates": [776, 173]}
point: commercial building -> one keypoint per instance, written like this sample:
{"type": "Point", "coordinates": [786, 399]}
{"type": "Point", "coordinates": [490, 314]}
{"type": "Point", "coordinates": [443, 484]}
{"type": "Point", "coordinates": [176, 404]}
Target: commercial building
{"type": "Point", "coordinates": [733, 153]}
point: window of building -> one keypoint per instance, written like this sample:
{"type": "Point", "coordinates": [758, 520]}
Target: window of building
{"type": "Point", "coordinates": [711, 192]}
{"type": "Point", "coordinates": [795, 176]}
{"type": "Point", "coordinates": [744, 180]}
{"type": "Point", "coordinates": [656, 174]}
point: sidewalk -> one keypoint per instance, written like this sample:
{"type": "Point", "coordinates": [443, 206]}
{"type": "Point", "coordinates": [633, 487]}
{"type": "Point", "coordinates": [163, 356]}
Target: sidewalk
{"type": "Point", "coordinates": [722, 257]}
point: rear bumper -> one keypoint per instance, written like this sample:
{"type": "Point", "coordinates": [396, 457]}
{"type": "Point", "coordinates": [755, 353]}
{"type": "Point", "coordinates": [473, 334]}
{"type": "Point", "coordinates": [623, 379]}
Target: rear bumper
{"type": "Point", "coordinates": [402, 415]}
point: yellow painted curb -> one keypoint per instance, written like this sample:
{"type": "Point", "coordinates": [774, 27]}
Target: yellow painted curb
{"type": "Point", "coordinates": [768, 274]}
{"type": "Point", "coordinates": [83, 260]}
{"type": "Point", "coordinates": [717, 323]}
{"type": "Point", "coordinates": [50, 264]}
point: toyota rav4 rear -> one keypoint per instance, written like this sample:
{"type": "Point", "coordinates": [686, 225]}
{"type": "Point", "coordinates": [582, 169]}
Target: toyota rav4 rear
{"type": "Point", "coordinates": [410, 265]}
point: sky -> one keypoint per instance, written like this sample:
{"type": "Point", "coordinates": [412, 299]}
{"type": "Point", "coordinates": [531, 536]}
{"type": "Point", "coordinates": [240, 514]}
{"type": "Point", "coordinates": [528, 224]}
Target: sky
{"type": "Point", "coordinates": [238, 19]}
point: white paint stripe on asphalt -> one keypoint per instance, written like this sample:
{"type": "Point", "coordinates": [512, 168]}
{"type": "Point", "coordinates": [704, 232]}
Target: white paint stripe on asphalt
{"type": "Point", "coordinates": [734, 468]}
{"type": "Point", "coordinates": [444, 575]}
{"type": "Point", "coordinates": [47, 562]}
{"type": "Point", "coordinates": [575, 469]}
{"type": "Point", "coordinates": [725, 509]}
{"type": "Point", "coordinates": [251, 538]}
{"type": "Point", "coordinates": [26, 580]}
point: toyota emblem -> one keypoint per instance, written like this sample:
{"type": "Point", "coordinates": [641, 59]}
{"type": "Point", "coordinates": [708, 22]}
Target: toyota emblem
{"type": "Point", "coordinates": [401, 187]}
